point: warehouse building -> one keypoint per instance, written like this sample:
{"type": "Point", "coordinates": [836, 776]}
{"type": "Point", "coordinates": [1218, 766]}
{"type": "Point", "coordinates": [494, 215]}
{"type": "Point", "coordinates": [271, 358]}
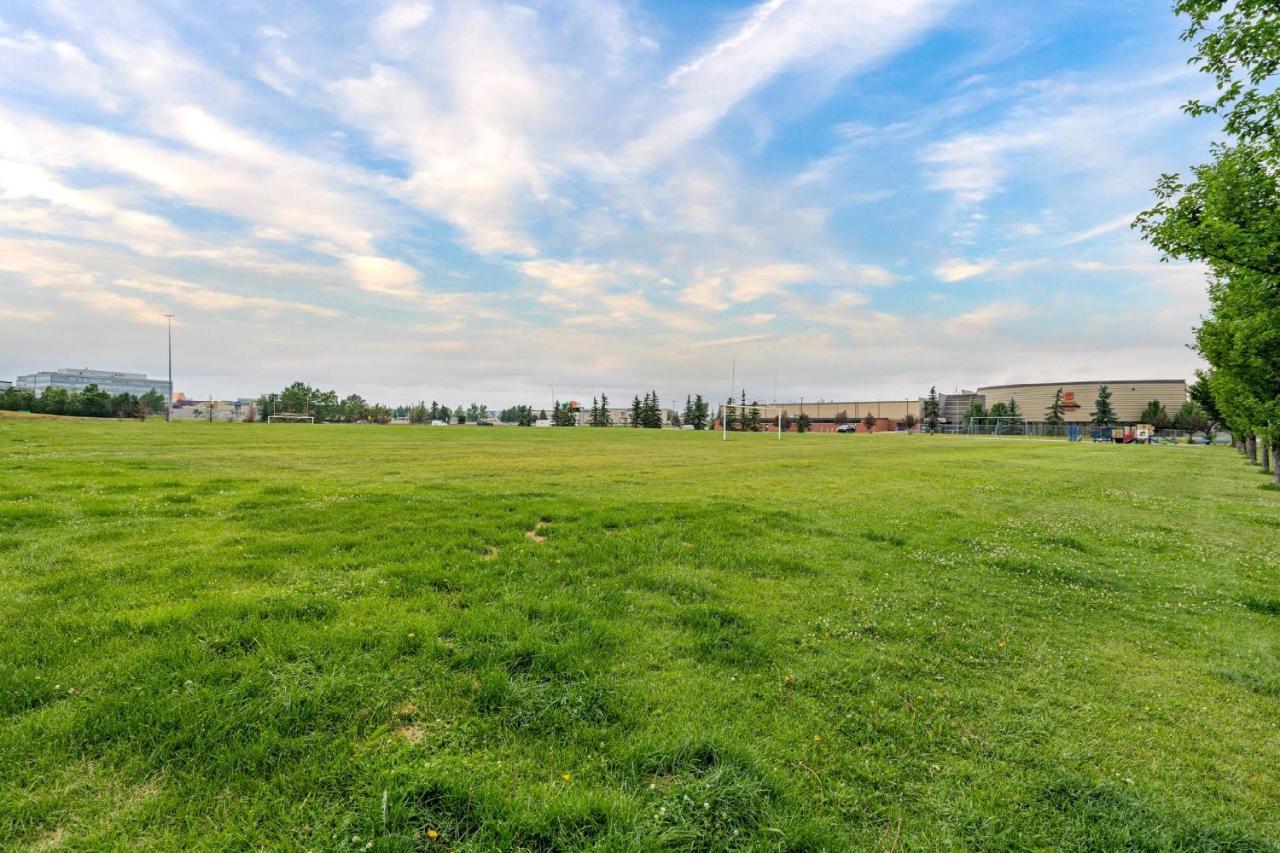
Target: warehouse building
{"type": "Point", "coordinates": [1129, 397]}
{"type": "Point", "coordinates": [826, 417]}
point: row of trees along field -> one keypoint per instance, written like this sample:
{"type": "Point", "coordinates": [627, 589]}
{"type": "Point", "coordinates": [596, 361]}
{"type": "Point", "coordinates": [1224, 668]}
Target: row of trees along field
{"type": "Point", "coordinates": [1226, 214]}
{"type": "Point", "coordinates": [301, 399]}
{"type": "Point", "coordinates": [92, 402]}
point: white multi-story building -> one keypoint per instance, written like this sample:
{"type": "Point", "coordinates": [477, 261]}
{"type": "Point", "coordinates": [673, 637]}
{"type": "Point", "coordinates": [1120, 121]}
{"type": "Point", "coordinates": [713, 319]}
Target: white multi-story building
{"type": "Point", "coordinates": [111, 381]}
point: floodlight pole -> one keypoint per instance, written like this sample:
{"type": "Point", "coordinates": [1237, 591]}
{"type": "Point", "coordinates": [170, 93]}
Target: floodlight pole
{"type": "Point", "coordinates": [724, 415]}
{"type": "Point", "coordinates": [168, 412]}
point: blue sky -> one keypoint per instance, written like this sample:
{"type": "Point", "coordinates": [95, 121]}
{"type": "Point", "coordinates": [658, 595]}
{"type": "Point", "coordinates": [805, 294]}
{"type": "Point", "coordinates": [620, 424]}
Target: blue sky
{"type": "Point", "coordinates": [474, 200]}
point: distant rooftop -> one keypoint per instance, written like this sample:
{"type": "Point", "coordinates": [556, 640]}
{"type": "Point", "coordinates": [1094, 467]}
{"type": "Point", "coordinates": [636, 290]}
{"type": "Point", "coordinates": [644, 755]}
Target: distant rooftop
{"type": "Point", "coordinates": [106, 374]}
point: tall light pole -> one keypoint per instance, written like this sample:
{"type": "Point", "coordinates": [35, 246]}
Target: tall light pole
{"type": "Point", "coordinates": [168, 412]}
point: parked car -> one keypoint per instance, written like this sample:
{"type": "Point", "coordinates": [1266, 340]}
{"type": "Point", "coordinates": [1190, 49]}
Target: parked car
{"type": "Point", "coordinates": [847, 428]}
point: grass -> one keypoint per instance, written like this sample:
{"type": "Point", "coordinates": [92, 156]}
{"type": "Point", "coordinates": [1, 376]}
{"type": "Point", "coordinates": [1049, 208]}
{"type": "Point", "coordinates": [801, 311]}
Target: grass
{"type": "Point", "coordinates": [231, 636]}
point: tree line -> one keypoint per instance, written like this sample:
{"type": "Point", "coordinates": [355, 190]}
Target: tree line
{"type": "Point", "coordinates": [91, 402]}
{"type": "Point", "coordinates": [1224, 215]}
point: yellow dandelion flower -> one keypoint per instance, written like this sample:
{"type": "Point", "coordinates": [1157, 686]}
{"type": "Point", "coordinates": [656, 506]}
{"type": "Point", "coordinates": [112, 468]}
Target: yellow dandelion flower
{"type": "Point", "coordinates": [432, 834]}
{"type": "Point", "coordinates": [567, 776]}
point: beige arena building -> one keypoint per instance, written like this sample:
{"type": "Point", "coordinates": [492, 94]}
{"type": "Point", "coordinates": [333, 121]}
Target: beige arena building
{"type": "Point", "coordinates": [1129, 397]}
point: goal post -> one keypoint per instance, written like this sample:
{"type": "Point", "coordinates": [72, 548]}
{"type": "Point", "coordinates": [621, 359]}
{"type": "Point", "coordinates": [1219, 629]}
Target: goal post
{"type": "Point", "coordinates": [1004, 425]}
{"type": "Point", "coordinates": [727, 409]}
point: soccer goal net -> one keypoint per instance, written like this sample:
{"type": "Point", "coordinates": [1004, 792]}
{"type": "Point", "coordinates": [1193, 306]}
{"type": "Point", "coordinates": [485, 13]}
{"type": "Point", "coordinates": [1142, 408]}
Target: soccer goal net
{"type": "Point", "coordinates": [287, 418]}
{"type": "Point", "coordinates": [753, 417]}
{"type": "Point", "coordinates": [997, 426]}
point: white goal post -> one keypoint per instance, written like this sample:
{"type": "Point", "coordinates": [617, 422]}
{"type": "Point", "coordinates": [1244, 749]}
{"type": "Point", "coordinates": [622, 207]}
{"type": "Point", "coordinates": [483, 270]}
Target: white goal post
{"type": "Point", "coordinates": [726, 408]}
{"type": "Point", "coordinates": [1001, 425]}
{"type": "Point", "coordinates": [287, 418]}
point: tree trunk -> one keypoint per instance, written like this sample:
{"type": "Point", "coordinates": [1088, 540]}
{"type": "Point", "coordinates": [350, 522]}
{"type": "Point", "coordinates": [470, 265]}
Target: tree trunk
{"type": "Point", "coordinates": [1251, 448]}
{"type": "Point", "coordinates": [1275, 468]}
{"type": "Point", "coordinates": [1266, 457]}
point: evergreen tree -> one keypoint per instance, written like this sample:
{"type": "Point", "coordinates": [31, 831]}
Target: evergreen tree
{"type": "Point", "coordinates": [595, 412]}
{"type": "Point", "coordinates": [701, 413]}
{"type": "Point", "coordinates": [605, 418]}
{"type": "Point", "coordinates": [1012, 409]}
{"type": "Point", "coordinates": [689, 414]}
{"type": "Point", "coordinates": [932, 411]}
{"type": "Point", "coordinates": [637, 412]}
{"type": "Point", "coordinates": [654, 414]}
{"type": "Point", "coordinates": [1055, 415]}
{"type": "Point", "coordinates": [802, 423]}
{"type": "Point", "coordinates": [1103, 414]}
{"type": "Point", "coordinates": [727, 417]}
{"type": "Point", "coordinates": [753, 422]}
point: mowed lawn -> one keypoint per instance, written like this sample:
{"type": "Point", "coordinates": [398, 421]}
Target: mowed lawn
{"type": "Point", "coordinates": [391, 638]}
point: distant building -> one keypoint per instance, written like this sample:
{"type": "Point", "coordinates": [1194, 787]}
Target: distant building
{"type": "Point", "coordinates": [618, 417]}
{"type": "Point", "coordinates": [826, 417]}
{"type": "Point", "coordinates": [1129, 397]}
{"type": "Point", "coordinates": [214, 410]}
{"type": "Point", "coordinates": [111, 381]}
{"type": "Point", "coordinates": [5, 385]}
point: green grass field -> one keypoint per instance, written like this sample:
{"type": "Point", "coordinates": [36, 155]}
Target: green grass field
{"type": "Point", "coordinates": [389, 638]}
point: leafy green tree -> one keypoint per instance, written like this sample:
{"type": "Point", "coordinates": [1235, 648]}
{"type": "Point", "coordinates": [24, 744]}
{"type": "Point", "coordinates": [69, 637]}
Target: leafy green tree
{"type": "Point", "coordinates": [57, 401]}
{"type": "Point", "coordinates": [999, 409]}
{"type": "Point", "coordinates": [1201, 394]}
{"type": "Point", "coordinates": [17, 399]}
{"type": "Point", "coordinates": [297, 399]}
{"type": "Point", "coordinates": [1155, 414]}
{"type": "Point", "coordinates": [1191, 418]}
{"type": "Point", "coordinates": [326, 407]}
{"type": "Point", "coordinates": [803, 423]}
{"type": "Point", "coordinates": [124, 405]}
{"type": "Point", "coordinates": [94, 402]}
{"type": "Point", "coordinates": [1103, 414]}
{"type": "Point", "coordinates": [910, 420]}
{"type": "Point", "coordinates": [152, 402]}
{"type": "Point", "coordinates": [354, 408]}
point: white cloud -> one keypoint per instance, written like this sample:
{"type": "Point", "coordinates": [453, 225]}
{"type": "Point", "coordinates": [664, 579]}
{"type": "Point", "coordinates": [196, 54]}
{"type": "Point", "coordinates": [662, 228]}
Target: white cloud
{"type": "Point", "coordinates": [958, 269]}
{"type": "Point", "coordinates": [985, 319]}
{"type": "Point", "coordinates": [25, 315]}
{"type": "Point", "coordinates": [386, 276]}
{"type": "Point", "coordinates": [398, 20]}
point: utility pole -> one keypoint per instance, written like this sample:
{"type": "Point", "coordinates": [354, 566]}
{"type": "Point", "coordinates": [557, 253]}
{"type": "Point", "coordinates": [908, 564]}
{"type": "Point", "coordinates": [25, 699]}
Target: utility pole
{"type": "Point", "coordinates": [168, 413]}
